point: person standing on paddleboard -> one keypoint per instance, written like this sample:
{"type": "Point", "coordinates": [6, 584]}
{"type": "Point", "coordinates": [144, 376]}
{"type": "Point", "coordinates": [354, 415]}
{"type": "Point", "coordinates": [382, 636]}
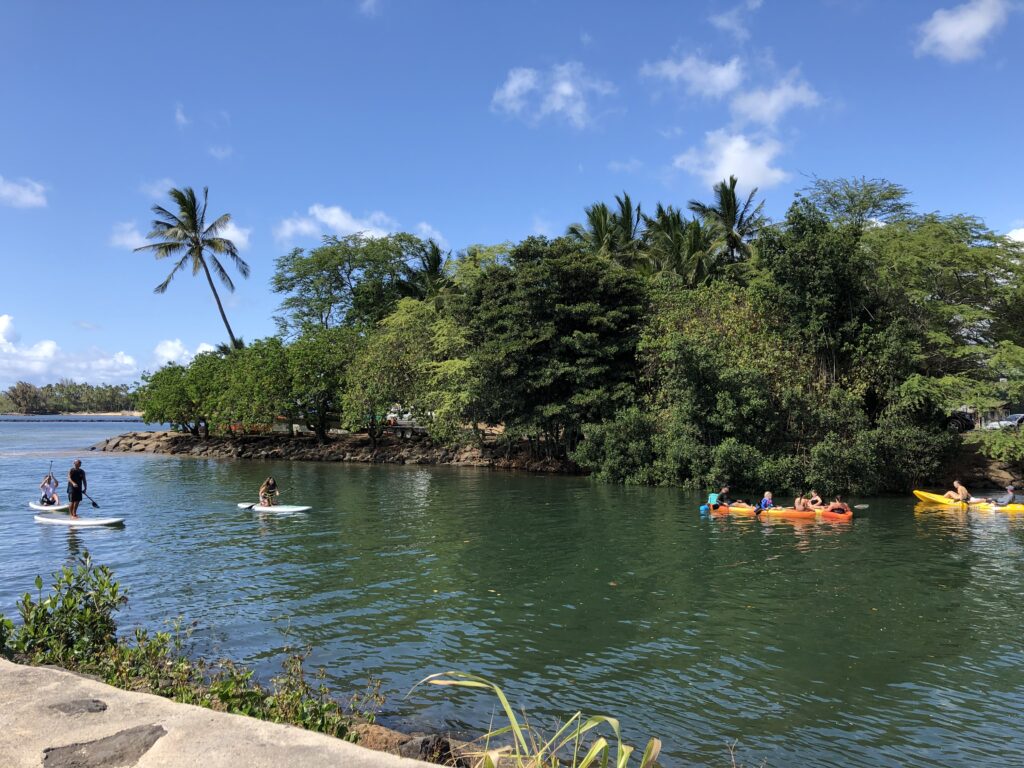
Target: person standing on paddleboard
{"type": "Point", "coordinates": [77, 485]}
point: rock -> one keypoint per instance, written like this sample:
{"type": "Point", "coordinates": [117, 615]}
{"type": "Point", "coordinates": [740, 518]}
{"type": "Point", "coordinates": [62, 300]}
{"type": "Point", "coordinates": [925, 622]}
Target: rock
{"type": "Point", "coordinates": [430, 749]}
{"type": "Point", "coordinates": [124, 748]}
{"type": "Point", "coordinates": [80, 706]}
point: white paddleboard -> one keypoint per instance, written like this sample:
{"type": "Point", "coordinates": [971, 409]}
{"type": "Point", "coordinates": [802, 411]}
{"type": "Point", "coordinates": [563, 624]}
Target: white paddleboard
{"type": "Point", "coordinates": [78, 521]}
{"type": "Point", "coordinates": [48, 508]}
{"type": "Point", "coordinates": [275, 508]}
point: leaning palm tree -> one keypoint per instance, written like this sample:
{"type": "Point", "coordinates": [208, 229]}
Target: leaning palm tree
{"type": "Point", "coordinates": [735, 225]}
{"type": "Point", "coordinates": [198, 243]}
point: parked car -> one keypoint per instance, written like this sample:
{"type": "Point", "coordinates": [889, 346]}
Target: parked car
{"type": "Point", "coordinates": [1013, 420]}
{"type": "Point", "coordinates": [960, 421]}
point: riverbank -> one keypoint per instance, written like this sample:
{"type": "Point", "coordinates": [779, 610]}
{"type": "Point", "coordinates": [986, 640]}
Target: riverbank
{"type": "Point", "coordinates": [353, 448]}
{"type": "Point", "coordinates": [61, 719]}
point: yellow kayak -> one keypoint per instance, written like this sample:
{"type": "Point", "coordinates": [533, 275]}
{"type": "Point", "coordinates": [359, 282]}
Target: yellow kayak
{"type": "Point", "coordinates": [938, 498]}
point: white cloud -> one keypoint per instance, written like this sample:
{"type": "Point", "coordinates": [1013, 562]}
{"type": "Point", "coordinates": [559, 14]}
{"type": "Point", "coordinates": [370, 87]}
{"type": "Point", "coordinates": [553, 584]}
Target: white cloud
{"type": "Point", "coordinates": [767, 106]}
{"type": "Point", "coordinates": [1016, 234]}
{"type": "Point", "coordinates": [428, 232]}
{"type": "Point", "coordinates": [699, 75]}
{"type": "Point", "coordinates": [957, 34]}
{"type": "Point", "coordinates": [179, 116]}
{"type": "Point", "coordinates": [126, 235]}
{"type": "Point", "coordinates": [725, 154]}
{"type": "Point", "coordinates": [563, 91]}
{"type": "Point", "coordinates": [236, 234]}
{"type": "Point", "coordinates": [204, 347]}
{"type": "Point", "coordinates": [625, 166]}
{"type": "Point", "coordinates": [158, 188]}
{"type": "Point", "coordinates": [175, 351]}
{"type": "Point", "coordinates": [22, 194]}
{"type": "Point", "coordinates": [511, 96]}
{"type": "Point", "coordinates": [734, 21]}
{"type": "Point", "coordinates": [44, 362]}
{"type": "Point", "coordinates": [221, 152]}
{"type": "Point", "coordinates": [334, 219]}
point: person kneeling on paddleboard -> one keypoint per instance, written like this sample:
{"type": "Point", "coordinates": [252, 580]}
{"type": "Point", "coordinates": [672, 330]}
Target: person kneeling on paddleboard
{"type": "Point", "coordinates": [48, 491]}
{"type": "Point", "coordinates": [268, 492]}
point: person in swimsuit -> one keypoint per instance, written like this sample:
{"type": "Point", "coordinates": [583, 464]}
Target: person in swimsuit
{"type": "Point", "coordinates": [815, 500]}
{"type": "Point", "coordinates": [959, 492]}
{"type": "Point", "coordinates": [802, 504]}
{"type": "Point", "coordinates": [48, 491]}
{"type": "Point", "coordinates": [765, 503]}
{"type": "Point", "coordinates": [268, 491]}
{"type": "Point", "coordinates": [77, 485]}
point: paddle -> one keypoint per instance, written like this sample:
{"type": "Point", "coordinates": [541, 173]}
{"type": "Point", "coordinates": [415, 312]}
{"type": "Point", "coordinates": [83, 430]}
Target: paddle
{"type": "Point", "coordinates": [861, 506]}
{"type": "Point", "coordinates": [94, 504]}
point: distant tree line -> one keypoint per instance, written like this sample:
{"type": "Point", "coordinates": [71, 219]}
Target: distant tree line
{"type": "Point", "coordinates": [67, 396]}
{"type": "Point", "coordinates": [686, 347]}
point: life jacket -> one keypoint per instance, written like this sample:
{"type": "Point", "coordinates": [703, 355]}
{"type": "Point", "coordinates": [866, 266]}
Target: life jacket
{"type": "Point", "coordinates": [712, 499]}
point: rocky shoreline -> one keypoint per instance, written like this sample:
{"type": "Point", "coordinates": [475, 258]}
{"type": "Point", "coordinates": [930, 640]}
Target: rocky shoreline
{"type": "Point", "coordinates": [353, 448]}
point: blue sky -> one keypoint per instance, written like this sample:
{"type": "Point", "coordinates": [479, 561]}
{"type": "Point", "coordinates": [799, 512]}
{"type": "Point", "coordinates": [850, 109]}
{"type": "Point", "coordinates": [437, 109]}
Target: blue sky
{"type": "Point", "coordinates": [472, 122]}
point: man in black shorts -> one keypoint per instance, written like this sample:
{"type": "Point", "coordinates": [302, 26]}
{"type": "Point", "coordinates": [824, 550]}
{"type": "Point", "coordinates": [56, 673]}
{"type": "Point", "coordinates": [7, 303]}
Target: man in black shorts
{"type": "Point", "coordinates": [76, 486]}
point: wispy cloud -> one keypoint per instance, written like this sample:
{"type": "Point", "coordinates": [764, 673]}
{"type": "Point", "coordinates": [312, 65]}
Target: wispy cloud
{"type": "Point", "coordinates": [751, 160]}
{"type": "Point", "coordinates": [734, 21]}
{"type": "Point", "coordinates": [369, 7]}
{"type": "Point", "coordinates": [699, 75]}
{"type": "Point", "coordinates": [44, 361]}
{"type": "Point", "coordinates": [236, 234]}
{"type": "Point", "coordinates": [22, 194]}
{"type": "Point", "coordinates": [221, 152]}
{"type": "Point", "coordinates": [180, 118]}
{"type": "Point", "coordinates": [563, 91]}
{"type": "Point", "coordinates": [958, 34]}
{"type": "Point", "coordinates": [127, 235]}
{"type": "Point", "coordinates": [767, 106]}
{"type": "Point", "coordinates": [428, 232]}
{"type": "Point", "coordinates": [157, 189]}
{"type": "Point", "coordinates": [625, 166]}
{"type": "Point", "coordinates": [334, 219]}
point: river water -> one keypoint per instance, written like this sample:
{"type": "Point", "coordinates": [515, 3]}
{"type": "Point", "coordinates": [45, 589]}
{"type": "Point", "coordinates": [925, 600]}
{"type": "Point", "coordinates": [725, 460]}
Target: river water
{"type": "Point", "coordinates": [892, 641]}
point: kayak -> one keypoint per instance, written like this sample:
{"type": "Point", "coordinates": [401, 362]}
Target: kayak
{"type": "Point", "coordinates": [78, 521]}
{"type": "Point", "coordinates": [274, 508]}
{"type": "Point", "coordinates": [48, 508]}
{"type": "Point", "coordinates": [935, 498]}
{"type": "Point", "coordinates": [780, 513]}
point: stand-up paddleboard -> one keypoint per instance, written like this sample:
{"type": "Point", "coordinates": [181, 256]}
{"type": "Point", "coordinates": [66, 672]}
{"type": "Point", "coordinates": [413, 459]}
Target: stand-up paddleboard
{"type": "Point", "coordinates": [48, 507]}
{"type": "Point", "coordinates": [58, 519]}
{"type": "Point", "coordinates": [275, 508]}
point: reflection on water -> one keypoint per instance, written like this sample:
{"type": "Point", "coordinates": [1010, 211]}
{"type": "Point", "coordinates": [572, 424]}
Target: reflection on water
{"type": "Point", "coordinates": [894, 640]}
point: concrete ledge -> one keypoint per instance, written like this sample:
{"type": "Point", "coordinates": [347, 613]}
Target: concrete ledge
{"type": "Point", "coordinates": [50, 717]}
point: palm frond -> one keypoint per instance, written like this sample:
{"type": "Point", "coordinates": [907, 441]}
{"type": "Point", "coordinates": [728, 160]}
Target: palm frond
{"type": "Point", "coordinates": [163, 286]}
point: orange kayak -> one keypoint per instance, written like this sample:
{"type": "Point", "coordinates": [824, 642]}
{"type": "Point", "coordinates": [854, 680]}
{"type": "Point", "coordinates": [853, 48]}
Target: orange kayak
{"type": "Point", "coordinates": [784, 513]}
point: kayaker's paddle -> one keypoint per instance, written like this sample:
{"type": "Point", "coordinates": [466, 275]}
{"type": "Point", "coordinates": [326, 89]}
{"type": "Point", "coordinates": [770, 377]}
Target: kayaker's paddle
{"type": "Point", "coordinates": [861, 506]}
{"type": "Point", "coordinates": [94, 504]}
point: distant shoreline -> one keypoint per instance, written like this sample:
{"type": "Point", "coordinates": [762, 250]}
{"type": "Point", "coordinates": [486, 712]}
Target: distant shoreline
{"type": "Point", "coordinates": [84, 416]}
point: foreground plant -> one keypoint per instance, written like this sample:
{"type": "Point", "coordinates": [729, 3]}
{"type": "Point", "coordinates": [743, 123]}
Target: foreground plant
{"type": "Point", "coordinates": [74, 627]}
{"type": "Point", "coordinates": [568, 746]}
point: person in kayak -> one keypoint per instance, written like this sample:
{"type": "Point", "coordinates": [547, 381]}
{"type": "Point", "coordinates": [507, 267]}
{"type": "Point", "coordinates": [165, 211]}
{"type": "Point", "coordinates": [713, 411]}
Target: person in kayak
{"type": "Point", "coordinates": [77, 485]}
{"type": "Point", "coordinates": [802, 503]}
{"type": "Point", "coordinates": [720, 499]}
{"type": "Point", "coordinates": [765, 503]}
{"type": "Point", "coordinates": [815, 500]}
{"type": "Point", "coordinates": [48, 491]}
{"type": "Point", "coordinates": [1010, 497]}
{"type": "Point", "coordinates": [838, 506]}
{"type": "Point", "coordinates": [268, 492]}
{"type": "Point", "coordinates": [959, 492]}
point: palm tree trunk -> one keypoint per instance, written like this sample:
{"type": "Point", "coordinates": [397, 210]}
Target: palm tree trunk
{"type": "Point", "coordinates": [224, 317]}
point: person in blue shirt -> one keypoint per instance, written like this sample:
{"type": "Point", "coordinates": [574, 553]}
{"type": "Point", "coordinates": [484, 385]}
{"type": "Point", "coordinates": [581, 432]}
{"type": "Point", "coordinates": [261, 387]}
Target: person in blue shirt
{"type": "Point", "coordinates": [1010, 497]}
{"type": "Point", "coordinates": [720, 499]}
{"type": "Point", "coordinates": [765, 502]}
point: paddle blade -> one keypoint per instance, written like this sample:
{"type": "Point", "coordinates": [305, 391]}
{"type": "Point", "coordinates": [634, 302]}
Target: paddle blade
{"type": "Point", "coordinates": [861, 506]}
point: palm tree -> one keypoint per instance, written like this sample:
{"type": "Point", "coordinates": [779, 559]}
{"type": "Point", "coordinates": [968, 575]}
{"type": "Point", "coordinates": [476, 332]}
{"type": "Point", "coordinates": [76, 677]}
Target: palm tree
{"type": "Point", "coordinates": [429, 279]}
{"type": "Point", "coordinates": [188, 234]}
{"type": "Point", "coordinates": [734, 225]}
{"type": "Point", "coordinates": [679, 246]}
{"type": "Point", "coordinates": [614, 233]}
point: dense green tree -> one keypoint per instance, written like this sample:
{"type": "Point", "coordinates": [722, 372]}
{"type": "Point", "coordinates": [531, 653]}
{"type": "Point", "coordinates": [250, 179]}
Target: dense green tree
{"type": "Point", "coordinates": [615, 233]}
{"type": "Point", "coordinates": [553, 336]}
{"type": "Point", "coordinates": [675, 245]}
{"type": "Point", "coordinates": [318, 362]}
{"type": "Point", "coordinates": [258, 387]}
{"type": "Point", "coordinates": [199, 244]}
{"type": "Point", "coordinates": [354, 280]}
{"type": "Point", "coordinates": [429, 277]}
{"type": "Point", "coordinates": [860, 201]}
{"type": "Point", "coordinates": [164, 398]}
{"type": "Point", "coordinates": [27, 398]}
